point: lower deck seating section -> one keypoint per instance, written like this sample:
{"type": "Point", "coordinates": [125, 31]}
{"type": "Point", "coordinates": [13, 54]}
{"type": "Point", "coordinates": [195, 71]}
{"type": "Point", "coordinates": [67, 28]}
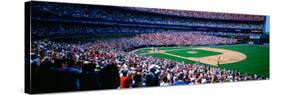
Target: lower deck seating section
{"type": "Point", "coordinates": [104, 65]}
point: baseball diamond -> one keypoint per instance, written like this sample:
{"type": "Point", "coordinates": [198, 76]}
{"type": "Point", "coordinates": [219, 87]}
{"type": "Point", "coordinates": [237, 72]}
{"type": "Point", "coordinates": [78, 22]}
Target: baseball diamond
{"type": "Point", "coordinates": [243, 58]}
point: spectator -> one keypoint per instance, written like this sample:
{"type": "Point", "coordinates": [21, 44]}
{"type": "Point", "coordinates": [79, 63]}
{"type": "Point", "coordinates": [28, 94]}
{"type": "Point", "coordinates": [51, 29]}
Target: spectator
{"type": "Point", "coordinates": [137, 80]}
{"type": "Point", "coordinates": [125, 81]}
{"type": "Point", "coordinates": [164, 82]}
{"type": "Point", "coordinates": [110, 77]}
{"type": "Point", "coordinates": [151, 79]}
{"type": "Point", "coordinates": [72, 73]}
{"type": "Point", "coordinates": [179, 80]}
{"type": "Point", "coordinates": [90, 79]}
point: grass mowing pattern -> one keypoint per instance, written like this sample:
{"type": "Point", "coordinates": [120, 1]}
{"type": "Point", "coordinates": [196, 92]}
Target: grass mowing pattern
{"type": "Point", "coordinates": [200, 53]}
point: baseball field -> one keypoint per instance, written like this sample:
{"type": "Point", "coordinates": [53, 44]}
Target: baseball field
{"type": "Point", "coordinates": [250, 59]}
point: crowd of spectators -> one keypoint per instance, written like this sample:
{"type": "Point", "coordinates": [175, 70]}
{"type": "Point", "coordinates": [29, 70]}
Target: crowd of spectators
{"type": "Point", "coordinates": [127, 15]}
{"type": "Point", "coordinates": [206, 15]}
{"type": "Point", "coordinates": [108, 63]}
{"type": "Point", "coordinates": [103, 64]}
{"type": "Point", "coordinates": [234, 34]}
{"type": "Point", "coordinates": [169, 38]}
{"type": "Point", "coordinates": [57, 30]}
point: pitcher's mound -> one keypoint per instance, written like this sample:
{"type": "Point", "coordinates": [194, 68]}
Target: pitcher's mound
{"type": "Point", "coordinates": [192, 52]}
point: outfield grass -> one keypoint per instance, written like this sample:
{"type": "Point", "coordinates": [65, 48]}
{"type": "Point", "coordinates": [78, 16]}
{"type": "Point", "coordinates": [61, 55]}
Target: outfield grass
{"type": "Point", "coordinates": [257, 61]}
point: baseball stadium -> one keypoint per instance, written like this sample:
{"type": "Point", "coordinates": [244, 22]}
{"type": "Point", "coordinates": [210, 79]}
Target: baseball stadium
{"type": "Point", "coordinates": [77, 47]}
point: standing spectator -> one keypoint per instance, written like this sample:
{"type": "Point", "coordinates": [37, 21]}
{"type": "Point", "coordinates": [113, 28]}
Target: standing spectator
{"type": "Point", "coordinates": [110, 77]}
{"type": "Point", "coordinates": [125, 81]}
{"type": "Point", "coordinates": [71, 79]}
{"type": "Point", "coordinates": [137, 80]}
{"type": "Point", "coordinates": [57, 75]}
{"type": "Point", "coordinates": [90, 79]}
{"type": "Point", "coordinates": [151, 79]}
{"type": "Point", "coordinates": [179, 80]}
{"type": "Point", "coordinates": [164, 82]}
